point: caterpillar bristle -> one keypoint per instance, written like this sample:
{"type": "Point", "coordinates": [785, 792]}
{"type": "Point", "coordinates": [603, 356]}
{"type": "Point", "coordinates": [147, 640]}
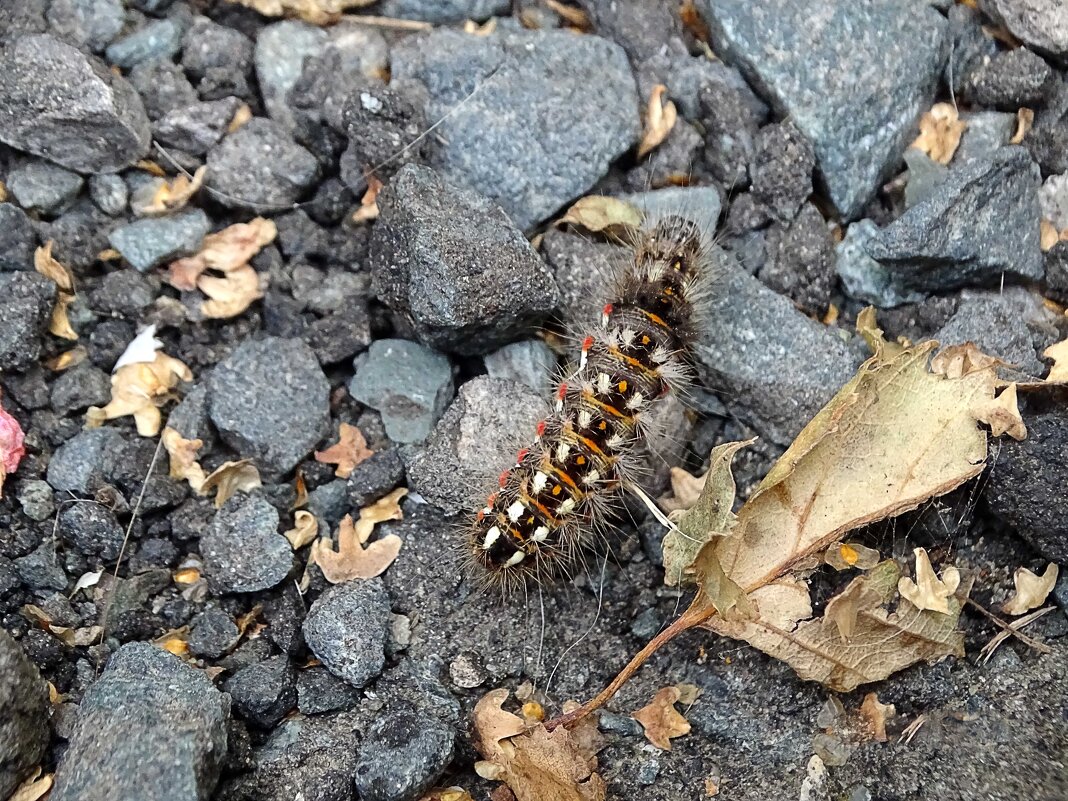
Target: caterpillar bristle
{"type": "Point", "coordinates": [563, 487]}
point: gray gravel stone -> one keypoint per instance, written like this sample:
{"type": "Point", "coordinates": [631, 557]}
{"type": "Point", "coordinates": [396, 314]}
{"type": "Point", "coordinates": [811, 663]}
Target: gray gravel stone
{"type": "Point", "coordinates": [1053, 199]}
{"type": "Point", "coordinates": [801, 261]}
{"type": "Point", "coordinates": [17, 239]}
{"type": "Point", "coordinates": [78, 464]}
{"type": "Point", "coordinates": [403, 754]}
{"type": "Point", "coordinates": [530, 362]}
{"type": "Point", "coordinates": [280, 52]}
{"type": "Point", "coordinates": [773, 366]}
{"type": "Point", "coordinates": [781, 169]}
{"type": "Point", "coordinates": [66, 106]}
{"type": "Point", "coordinates": [853, 77]}
{"type": "Point", "coordinates": [196, 128]}
{"type": "Point", "coordinates": [319, 691]}
{"type": "Point", "coordinates": [1010, 80]}
{"type": "Point", "coordinates": [213, 633]}
{"type": "Point", "coordinates": [152, 242]}
{"type": "Point", "coordinates": [981, 223]}
{"type": "Point", "coordinates": [79, 388]}
{"type": "Point", "coordinates": [124, 293]}
{"type": "Point", "coordinates": [190, 417]}
{"type": "Point", "coordinates": [374, 477]}
{"type": "Point", "coordinates": [444, 11]}
{"type": "Point", "coordinates": [91, 529]}
{"type": "Point", "coordinates": [36, 499]}
{"type": "Point", "coordinates": [1041, 24]}
{"type": "Point", "coordinates": [264, 692]}
{"type": "Point", "coordinates": [702, 204]}
{"type": "Point", "coordinates": [346, 629]}
{"type": "Point", "coordinates": [552, 111]}
{"type": "Point", "coordinates": [43, 187]}
{"type": "Point", "coordinates": [244, 552]}
{"type": "Point", "coordinates": [157, 39]}
{"type": "Point", "coordinates": [208, 46]}
{"type": "Point", "coordinates": [987, 131]}
{"type": "Point", "coordinates": [450, 264]}
{"type": "Point", "coordinates": [108, 193]}
{"type": "Point", "coordinates": [41, 570]}
{"type": "Point", "coordinates": [163, 86]}
{"type": "Point", "coordinates": [147, 709]}
{"type": "Point", "coordinates": [26, 301]}
{"type": "Point", "coordinates": [23, 715]}
{"type": "Point", "coordinates": [259, 167]}
{"type": "Point", "coordinates": [478, 436]}
{"type": "Point", "coordinates": [407, 383]}
{"type": "Point", "coordinates": [270, 402]}
{"type": "Point", "coordinates": [90, 23]}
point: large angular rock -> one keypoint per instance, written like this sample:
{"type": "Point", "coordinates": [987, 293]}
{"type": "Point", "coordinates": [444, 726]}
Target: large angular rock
{"type": "Point", "coordinates": [23, 715]}
{"type": "Point", "coordinates": [853, 77]}
{"type": "Point", "coordinates": [1042, 24]}
{"type": "Point", "coordinates": [346, 629]}
{"type": "Point", "coordinates": [544, 112]}
{"type": "Point", "coordinates": [244, 552]}
{"type": "Point", "coordinates": [453, 267]}
{"type": "Point", "coordinates": [149, 727]}
{"type": "Point", "coordinates": [59, 103]}
{"type": "Point", "coordinates": [26, 301]}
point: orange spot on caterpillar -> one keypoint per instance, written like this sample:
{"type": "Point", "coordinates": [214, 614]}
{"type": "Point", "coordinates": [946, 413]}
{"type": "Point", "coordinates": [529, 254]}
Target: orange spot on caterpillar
{"type": "Point", "coordinates": [562, 391]}
{"type": "Point", "coordinates": [541, 429]}
{"type": "Point", "coordinates": [519, 457]}
{"type": "Point", "coordinates": [587, 343]}
{"type": "Point", "coordinates": [580, 459]}
{"type": "Point", "coordinates": [556, 489]}
{"type": "Point", "coordinates": [622, 385]}
{"type": "Point", "coordinates": [502, 479]}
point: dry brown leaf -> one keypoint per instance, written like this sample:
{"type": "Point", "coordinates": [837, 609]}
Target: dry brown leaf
{"type": "Point", "coordinates": [448, 794]}
{"type": "Point", "coordinates": [1003, 415]}
{"type": "Point", "coordinates": [1058, 373]}
{"type": "Point", "coordinates": [601, 213]}
{"type": "Point", "coordinates": [225, 251]}
{"type": "Point", "coordinates": [573, 16]}
{"type": "Point", "coordinates": [68, 359]}
{"type": "Point", "coordinates": [317, 12]}
{"type": "Point", "coordinates": [34, 788]}
{"type": "Point", "coordinates": [151, 167]}
{"type": "Point", "coordinates": [685, 490]}
{"type": "Point", "coordinates": [230, 478]}
{"type": "Point", "coordinates": [231, 294]}
{"type": "Point", "coordinates": [660, 117]}
{"type": "Point", "coordinates": [74, 638]}
{"type": "Point", "coordinates": [694, 22]}
{"type": "Point", "coordinates": [661, 721]}
{"type": "Point", "coordinates": [175, 641]}
{"type": "Point", "coordinates": [186, 576]}
{"type": "Point", "coordinates": [1048, 235]}
{"type": "Point", "coordinates": [300, 490]}
{"type": "Point", "coordinates": [940, 132]}
{"type": "Point", "coordinates": [350, 449]}
{"type": "Point", "coordinates": [958, 361]}
{"type": "Point", "coordinates": [368, 209]}
{"type": "Point", "coordinates": [1025, 118]}
{"type": "Point", "coordinates": [473, 28]}
{"type": "Point", "coordinates": [927, 591]}
{"type": "Point", "coordinates": [174, 195]}
{"type": "Point", "coordinates": [49, 267]}
{"type": "Point", "coordinates": [183, 458]}
{"type": "Point", "coordinates": [352, 560]}
{"type": "Point", "coordinates": [535, 764]}
{"type": "Point", "coordinates": [241, 116]}
{"type": "Point", "coordinates": [305, 528]}
{"type": "Point", "coordinates": [875, 715]}
{"type": "Point", "coordinates": [1031, 590]}
{"type": "Point", "coordinates": [139, 389]}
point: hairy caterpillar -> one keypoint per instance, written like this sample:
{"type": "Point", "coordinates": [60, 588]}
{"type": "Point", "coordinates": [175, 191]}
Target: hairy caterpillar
{"type": "Point", "coordinates": [556, 495]}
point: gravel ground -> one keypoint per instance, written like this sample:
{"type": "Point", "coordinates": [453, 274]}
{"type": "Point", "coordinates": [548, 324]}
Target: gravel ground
{"type": "Point", "coordinates": [433, 328]}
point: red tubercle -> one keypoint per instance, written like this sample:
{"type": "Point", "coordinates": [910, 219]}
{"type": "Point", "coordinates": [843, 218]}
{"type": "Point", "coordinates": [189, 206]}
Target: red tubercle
{"type": "Point", "coordinates": [502, 479]}
{"type": "Point", "coordinates": [541, 429]}
{"type": "Point", "coordinates": [519, 457]}
{"type": "Point", "coordinates": [587, 343]}
{"type": "Point", "coordinates": [607, 310]}
{"type": "Point", "coordinates": [562, 391]}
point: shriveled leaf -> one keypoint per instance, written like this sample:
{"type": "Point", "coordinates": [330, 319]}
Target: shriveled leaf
{"type": "Point", "coordinates": [875, 715]}
{"type": "Point", "coordinates": [1058, 373]}
{"type": "Point", "coordinates": [1025, 119]}
{"type": "Point", "coordinates": [34, 788]}
{"type": "Point", "coordinates": [535, 764]}
{"type": "Point", "coordinates": [174, 195]}
{"type": "Point", "coordinates": [230, 294]}
{"type": "Point", "coordinates": [68, 359]}
{"type": "Point", "coordinates": [139, 389]}
{"type": "Point", "coordinates": [1048, 235]}
{"type": "Point", "coordinates": [74, 638]}
{"type": "Point", "coordinates": [600, 213]}
{"type": "Point", "coordinates": [141, 350]}
{"type": "Point", "coordinates": [86, 580]}
{"type": "Point", "coordinates": [573, 16]}
{"type": "Point", "coordinates": [1003, 415]}
{"type": "Point", "coordinates": [305, 528]}
{"type": "Point", "coordinates": [11, 446]}
{"type": "Point", "coordinates": [660, 117]}
{"type": "Point", "coordinates": [175, 641]}
{"type": "Point", "coordinates": [49, 267]}
{"type": "Point", "coordinates": [183, 458]}
{"type": "Point", "coordinates": [927, 591]}
{"type": "Point", "coordinates": [940, 132]}
{"type": "Point", "coordinates": [368, 209]}
{"type": "Point", "coordinates": [849, 555]}
{"type": "Point", "coordinates": [957, 361]}
{"type": "Point", "coordinates": [317, 12]}
{"type": "Point", "coordinates": [241, 116]}
{"type": "Point", "coordinates": [230, 478]}
{"type": "Point", "coordinates": [685, 490]}
{"type": "Point", "coordinates": [709, 516]}
{"type": "Point", "coordinates": [352, 560]}
{"type": "Point", "coordinates": [350, 449]}
{"type": "Point", "coordinates": [660, 720]}
{"type": "Point", "coordinates": [1031, 590]}
{"type": "Point", "coordinates": [226, 251]}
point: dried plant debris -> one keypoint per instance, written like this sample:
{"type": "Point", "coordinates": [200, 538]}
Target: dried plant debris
{"type": "Point", "coordinates": [230, 478]}
{"type": "Point", "coordinates": [660, 118]}
{"type": "Point", "coordinates": [354, 558]}
{"type": "Point", "coordinates": [173, 195]}
{"type": "Point", "coordinates": [1031, 590]}
{"type": "Point", "coordinates": [350, 449]}
{"type": "Point", "coordinates": [183, 458]}
{"type": "Point", "coordinates": [940, 132]}
{"type": "Point", "coordinates": [1058, 354]}
{"type": "Point", "coordinates": [317, 12]}
{"type": "Point", "coordinates": [143, 380]}
{"type": "Point", "coordinates": [597, 213]}
{"type": "Point", "coordinates": [305, 529]}
{"type": "Point", "coordinates": [535, 764]}
{"type": "Point", "coordinates": [660, 720]}
{"type": "Point", "coordinates": [898, 434]}
{"type": "Point", "coordinates": [50, 268]}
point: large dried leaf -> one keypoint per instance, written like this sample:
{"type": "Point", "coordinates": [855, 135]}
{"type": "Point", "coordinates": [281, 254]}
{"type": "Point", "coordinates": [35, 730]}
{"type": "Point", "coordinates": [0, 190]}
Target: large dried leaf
{"type": "Point", "coordinates": [660, 720]}
{"type": "Point", "coordinates": [317, 12]}
{"type": "Point", "coordinates": [230, 478]}
{"type": "Point", "coordinates": [352, 560]}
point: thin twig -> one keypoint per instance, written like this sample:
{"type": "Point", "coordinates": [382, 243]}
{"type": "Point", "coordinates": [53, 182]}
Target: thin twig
{"type": "Point", "coordinates": [1015, 626]}
{"type": "Point", "coordinates": [1029, 641]}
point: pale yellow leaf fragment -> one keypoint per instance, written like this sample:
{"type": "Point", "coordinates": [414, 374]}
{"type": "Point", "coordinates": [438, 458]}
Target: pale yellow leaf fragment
{"type": "Point", "coordinates": [174, 195]}
{"type": "Point", "coordinates": [49, 267]}
{"type": "Point", "coordinates": [183, 458]}
{"type": "Point", "coordinates": [230, 294]}
{"type": "Point", "coordinates": [34, 788]}
{"type": "Point", "coordinates": [600, 213]}
{"type": "Point", "coordinates": [1031, 590]}
{"type": "Point", "coordinates": [139, 389]}
{"type": "Point", "coordinates": [230, 478]}
{"type": "Point", "coordinates": [1003, 415]}
{"type": "Point", "coordinates": [661, 721]}
{"type": "Point", "coordinates": [660, 118]}
{"type": "Point", "coordinates": [68, 359]}
{"type": "Point", "coordinates": [241, 116]}
{"type": "Point", "coordinates": [1058, 373]}
{"type": "Point", "coordinates": [368, 209]}
{"type": "Point", "coordinates": [876, 715]}
{"type": "Point", "coordinates": [317, 12]}
{"type": "Point", "coordinates": [350, 449]}
{"type": "Point", "coordinates": [1048, 235]}
{"type": "Point", "coordinates": [940, 132]}
{"type": "Point", "coordinates": [305, 528]}
{"type": "Point", "coordinates": [1025, 119]}
{"type": "Point", "coordinates": [927, 591]}
{"type": "Point", "coordinates": [352, 560]}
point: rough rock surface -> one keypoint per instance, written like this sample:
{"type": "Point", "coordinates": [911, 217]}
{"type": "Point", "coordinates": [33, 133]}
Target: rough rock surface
{"type": "Point", "coordinates": [23, 715]}
{"type": "Point", "coordinates": [346, 629]}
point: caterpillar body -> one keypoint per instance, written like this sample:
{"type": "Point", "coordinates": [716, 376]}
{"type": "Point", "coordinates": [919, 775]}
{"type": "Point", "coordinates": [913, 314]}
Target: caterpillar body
{"type": "Point", "coordinates": [549, 505]}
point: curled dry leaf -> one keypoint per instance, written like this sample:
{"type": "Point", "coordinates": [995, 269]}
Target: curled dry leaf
{"type": "Point", "coordinates": [230, 478]}
{"type": "Point", "coordinates": [1003, 415]}
{"type": "Point", "coordinates": [139, 389]}
{"type": "Point", "coordinates": [660, 117]}
{"type": "Point", "coordinates": [174, 195]}
{"type": "Point", "coordinates": [46, 265]}
{"type": "Point", "coordinates": [1025, 118]}
{"type": "Point", "coordinates": [183, 458]}
{"type": "Point", "coordinates": [575, 17]}
{"type": "Point", "coordinates": [352, 560]}
{"type": "Point", "coordinates": [34, 788]}
{"type": "Point", "coordinates": [12, 448]}
{"type": "Point", "coordinates": [241, 116]}
{"type": "Point", "coordinates": [957, 361]}
{"type": "Point", "coordinates": [231, 293]}
{"type": "Point", "coordinates": [535, 764]}
{"type": "Point", "coordinates": [68, 359]}
{"type": "Point", "coordinates": [74, 638]}
{"type": "Point", "coordinates": [1031, 590]}
{"type": "Point", "coordinates": [368, 209]}
{"type": "Point", "coordinates": [660, 720]}
{"type": "Point", "coordinates": [927, 591]}
{"type": "Point", "coordinates": [875, 716]}
{"type": "Point", "coordinates": [86, 580]}
{"type": "Point", "coordinates": [1058, 353]}
{"type": "Point", "coordinates": [317, 12]}
{"type": "Point", "coordinates": [940, 132]}
{"type": "Point", "coordinates": [350, 449]}
{"type": "Point", "coordinates": [601, 213]}
{"type": "Point", "coordinates": [305, 528]}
